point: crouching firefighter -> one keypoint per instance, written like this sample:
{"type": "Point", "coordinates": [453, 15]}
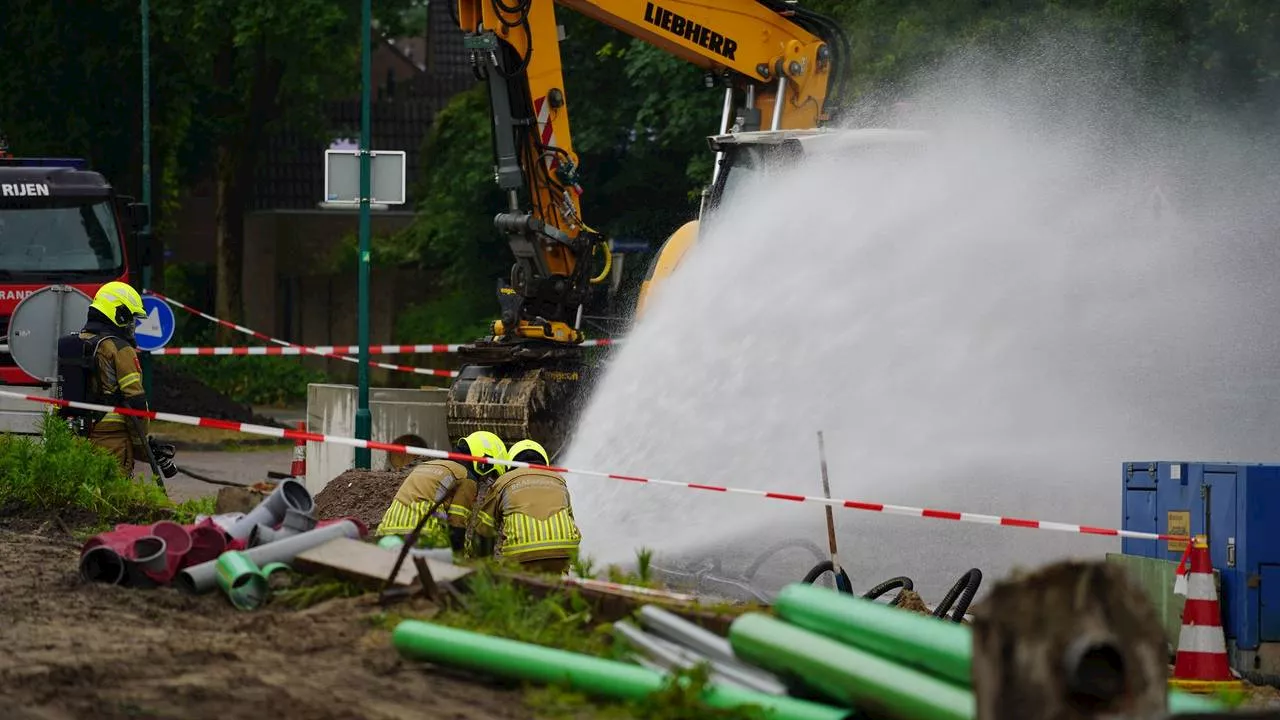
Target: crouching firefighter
{"type": "Point", "coordinates": [439, 494]}
{"type": "Point", "coordinates": [100, 365]}
{"type": "Point", "coordinates": [526, 515]}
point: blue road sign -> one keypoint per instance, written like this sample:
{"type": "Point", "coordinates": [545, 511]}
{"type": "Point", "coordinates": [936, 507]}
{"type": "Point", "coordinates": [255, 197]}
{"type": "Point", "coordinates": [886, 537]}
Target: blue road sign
{"type": "Point", "coordinates": [156, 329]}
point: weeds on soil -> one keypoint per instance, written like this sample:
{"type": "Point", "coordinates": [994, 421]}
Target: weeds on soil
{"type": "Point", "coordinates": [186, 512]}
{"type": "Point", "coordinates": [311, 590]}
{"type": "Point", "coordinates": [62, 471]}
{"type": "Point", "coordinates": [499, 607]}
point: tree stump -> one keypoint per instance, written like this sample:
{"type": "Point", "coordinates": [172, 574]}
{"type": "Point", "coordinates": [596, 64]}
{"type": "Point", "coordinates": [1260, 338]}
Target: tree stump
{"type": "Point", "coordinates": [1068, 642]}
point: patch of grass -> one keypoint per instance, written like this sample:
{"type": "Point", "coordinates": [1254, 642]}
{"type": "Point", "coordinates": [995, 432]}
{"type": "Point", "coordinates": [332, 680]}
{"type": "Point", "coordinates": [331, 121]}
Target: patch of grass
{"type": "Point", "coordinates": [62, 471]}
{"type": "Point", "coordinates": [185, 513]}
{"type": "Point", "coordinates": [311, 590]}
{"type": "Point", "coordinates": [584, 567]}
{"type": "Point", "coordinates": [496, 606]}
{"type": "Point", "coordinates": [253, 379]}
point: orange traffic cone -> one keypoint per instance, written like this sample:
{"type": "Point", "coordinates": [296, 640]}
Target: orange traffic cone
{"type": "Point", "coordinates": [1201, 664]}
{"type": "Point", "coordinates": [299, 467]}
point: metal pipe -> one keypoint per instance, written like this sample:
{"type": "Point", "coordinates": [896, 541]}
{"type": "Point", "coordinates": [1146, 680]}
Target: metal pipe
{"type": "Point", "coordinates": [676, 629]}
{"type": "Point", "coordinates": [671, 656]}
{"type": "Point", "coordinates": [203, 577]}
{"type": "Point", "coordinates": [724, 128]}
{"type": "Point", "coordinates": [516, 660]}
{"type": "Point", "coordinates": [942, 649]}
{"type": "Point", "coordinates": [288, 494]}
{"type": "Point", "coordinates": [847, 675]}
{"type": "Point", "coordinates": [778, 100]}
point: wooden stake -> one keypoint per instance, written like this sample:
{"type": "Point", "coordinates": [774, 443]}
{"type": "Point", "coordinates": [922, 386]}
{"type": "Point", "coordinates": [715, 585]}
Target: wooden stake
{"type": "Point", "coordinates": [831, 520]}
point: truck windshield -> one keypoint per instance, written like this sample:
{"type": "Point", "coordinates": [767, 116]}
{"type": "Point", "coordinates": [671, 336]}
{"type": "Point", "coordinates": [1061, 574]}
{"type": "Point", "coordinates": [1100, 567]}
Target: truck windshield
{"type": "Point", "coordinates": [46, 239]}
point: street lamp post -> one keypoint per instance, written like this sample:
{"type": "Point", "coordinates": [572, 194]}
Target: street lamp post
{"type": "Point", "coordinates": [144, 237]}
{"type": "Point", "coordinates": [364, 420]}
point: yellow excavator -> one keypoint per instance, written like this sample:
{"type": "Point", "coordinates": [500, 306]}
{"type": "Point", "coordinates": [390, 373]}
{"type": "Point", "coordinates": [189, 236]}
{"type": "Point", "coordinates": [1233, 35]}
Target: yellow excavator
{"type": "Point", "coordinates": [781, 67]}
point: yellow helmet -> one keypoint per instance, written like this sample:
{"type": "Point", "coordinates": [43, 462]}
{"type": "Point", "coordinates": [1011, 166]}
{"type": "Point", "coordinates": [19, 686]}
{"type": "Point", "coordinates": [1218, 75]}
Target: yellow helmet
{"type": "Point", "coordinates": [483, 443]}
{"type": "Point", "coordinates": [529, 445]}
{"type": "Point", "coordinates": [120, 303]}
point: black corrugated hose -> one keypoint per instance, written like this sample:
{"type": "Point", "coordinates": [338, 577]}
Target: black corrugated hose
{"type": "Point", "coordinates": [961, 593]}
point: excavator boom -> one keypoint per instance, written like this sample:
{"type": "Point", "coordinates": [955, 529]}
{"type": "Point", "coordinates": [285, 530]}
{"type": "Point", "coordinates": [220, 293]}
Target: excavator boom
{"type": "Point", "coordinates": [774, 59]}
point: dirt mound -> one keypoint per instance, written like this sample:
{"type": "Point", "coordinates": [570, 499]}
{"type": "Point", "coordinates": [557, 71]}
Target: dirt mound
{"type": "Point", "coordinates": [74, 650]}
{"type": "Point", "coordinates": [364, 494]}
{"type": "Point", "coordinates": [174, 391]}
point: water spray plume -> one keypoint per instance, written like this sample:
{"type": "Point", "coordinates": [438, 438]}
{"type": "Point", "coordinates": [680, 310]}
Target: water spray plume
{"type": "Point", "coordinates": [1066, 279]}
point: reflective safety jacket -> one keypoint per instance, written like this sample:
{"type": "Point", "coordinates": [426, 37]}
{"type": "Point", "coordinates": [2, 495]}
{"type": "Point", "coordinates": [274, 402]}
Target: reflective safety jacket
{"type": "Point", "coordinates": [529, 512]}
{"type": "Point", "coordinates": [426, 484]}
{"type": "Point", "coordinates": [117, 381]}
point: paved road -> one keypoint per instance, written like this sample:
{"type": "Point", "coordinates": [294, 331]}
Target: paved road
{"type": "Point", "coordinates": [246, 467]}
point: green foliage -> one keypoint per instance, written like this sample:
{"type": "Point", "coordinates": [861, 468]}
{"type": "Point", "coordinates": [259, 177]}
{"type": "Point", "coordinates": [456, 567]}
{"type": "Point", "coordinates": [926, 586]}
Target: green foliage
{"type": "Point", "coordinates": [453, 231]}
{"type": "Point", "coordinates": [311, 590]}
{"type": "Point", "coordinates": [584, 567]}
{"type": "Point", "coordinates": [186, 512]}
{"type": "Point", "coordinates": [62, 471]}
{"type": "Point", "coordinates": [497, 606]}
{"type": "Point", "coordinates": [459, 317]}
{"type": "Point", "coordinates": [257, 380]}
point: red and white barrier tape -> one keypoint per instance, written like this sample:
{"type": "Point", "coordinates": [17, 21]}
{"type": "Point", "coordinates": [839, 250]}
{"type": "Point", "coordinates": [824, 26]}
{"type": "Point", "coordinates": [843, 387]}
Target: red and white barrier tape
{"type": "Point", "coordinates": [332, 349]}
{"type": "Point", "coordinates": [445, 455]}
{"type": "Point", "coordinates": [301, 349]}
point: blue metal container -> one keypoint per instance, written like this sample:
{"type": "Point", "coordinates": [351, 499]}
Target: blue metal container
{"type": "Point", "coordinates": [1237, 506]}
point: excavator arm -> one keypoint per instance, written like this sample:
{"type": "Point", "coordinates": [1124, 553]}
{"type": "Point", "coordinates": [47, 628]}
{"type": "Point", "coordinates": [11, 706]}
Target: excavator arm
{"type": "Point", "coordinates": [774, 59]}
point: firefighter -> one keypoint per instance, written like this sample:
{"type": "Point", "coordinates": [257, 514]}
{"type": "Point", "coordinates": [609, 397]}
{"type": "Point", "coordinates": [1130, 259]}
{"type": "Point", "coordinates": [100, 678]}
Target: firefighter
{"type": "Point", "coordinates": [526, 515]}
{"type": "Point", "coordinates": [115, 372]}
{"type": "Point", "coordinates": [449, 482]}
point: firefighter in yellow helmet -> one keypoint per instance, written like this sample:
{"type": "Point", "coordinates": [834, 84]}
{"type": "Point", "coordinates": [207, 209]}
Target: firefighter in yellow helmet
{"type": "Point", "coordinates": [108, 356]}
{"type": "Point", "coordinates": [449, 482]}
{"type": "Point", "coordinates": [526, 515]}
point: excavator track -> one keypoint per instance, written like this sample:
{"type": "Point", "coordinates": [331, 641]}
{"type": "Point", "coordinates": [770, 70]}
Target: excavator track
{"type": "Point", "coordinates": [519, 390]}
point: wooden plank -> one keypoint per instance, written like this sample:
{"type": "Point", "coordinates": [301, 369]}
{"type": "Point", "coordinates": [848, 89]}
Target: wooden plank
{"type": "Point", "coordinates": [369, 565]}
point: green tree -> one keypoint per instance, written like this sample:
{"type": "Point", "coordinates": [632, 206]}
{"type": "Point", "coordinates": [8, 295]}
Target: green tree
{"type": "Point", "coordinates": [264, 64]}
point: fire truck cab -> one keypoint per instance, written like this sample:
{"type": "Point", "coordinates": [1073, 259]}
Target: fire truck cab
{"type": "Point", "coordinates": [60, 224]}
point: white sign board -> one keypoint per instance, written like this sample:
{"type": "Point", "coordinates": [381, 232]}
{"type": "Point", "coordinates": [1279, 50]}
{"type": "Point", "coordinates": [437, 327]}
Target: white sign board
{"type": "Point", "coordinates": [342, 176]}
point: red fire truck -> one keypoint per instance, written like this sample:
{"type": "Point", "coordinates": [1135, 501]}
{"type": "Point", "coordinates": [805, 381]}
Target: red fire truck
{"type": "Point", "coordinates": [60, 223]}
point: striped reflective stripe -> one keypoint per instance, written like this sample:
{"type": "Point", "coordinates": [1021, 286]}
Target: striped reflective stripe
{"type": "Point", "coordinates": [1202, 639]}
{"type": "Point", "coordinates": [401, 519]}
{"type": "Point", "coordinates": [1200, 587]}
{"type": "Point", "coordinates": [485, 519]}
{"type": "Point", "coordinates": [523, 534]}
{"type": "Point", "coordinates": [460, 511]}
{"type": "Point", "coordinates": [130, 379]}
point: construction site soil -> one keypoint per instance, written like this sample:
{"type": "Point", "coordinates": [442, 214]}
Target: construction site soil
{"type": "Point", "coordinates": [364, 494]}
{"type": "Point", "coordinates": [74, 650]}
{"type": "Point", "coordinates": [174, 391]}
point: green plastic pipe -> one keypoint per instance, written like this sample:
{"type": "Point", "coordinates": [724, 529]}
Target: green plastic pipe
{"type": "Point", "coordinates": [241, 580]}
{"type": "Point", "coordinates": [938, 647]}
{"type": "Point", "coordinates": [1181, 703]}
{"type": "Point", "coordinates": [594, 676]}
{"type": "Point", "coordinates": [846, 674]}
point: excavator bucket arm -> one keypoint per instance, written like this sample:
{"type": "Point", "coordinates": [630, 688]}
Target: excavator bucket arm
{"type": "Point", "coordinates": [526, 379]}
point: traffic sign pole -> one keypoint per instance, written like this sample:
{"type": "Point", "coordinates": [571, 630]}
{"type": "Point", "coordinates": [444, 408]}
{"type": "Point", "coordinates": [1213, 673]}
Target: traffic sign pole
{"type": "Point", "coordinates": [156, 329]}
